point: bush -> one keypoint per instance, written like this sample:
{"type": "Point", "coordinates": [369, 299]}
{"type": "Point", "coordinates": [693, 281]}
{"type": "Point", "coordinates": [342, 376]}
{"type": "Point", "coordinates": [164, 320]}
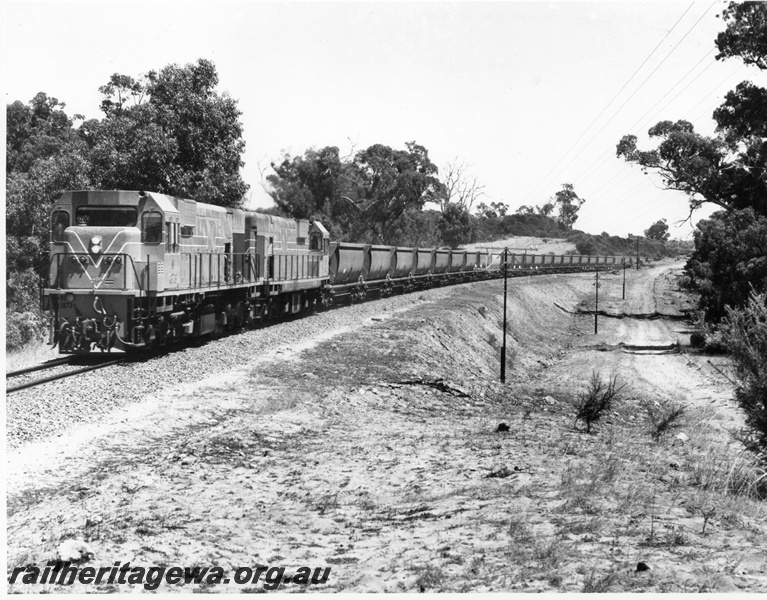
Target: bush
{"type": "Point", "coordinates": [685, 282]}
{"type": "Point", "coordinates": [663, 418]}
{"type": "Point", "coordinates": [729, 260]}
{"type": "Point", "coordinates": [716, 342]}
{"type": "Point", "coordinates": [22, 328]}
{"type": "Point", "coordinates": [597, 399]}
{"type": "Point", "coordinates": [744, 332]}
{"type": "Point", "coordinates": [698, 339]}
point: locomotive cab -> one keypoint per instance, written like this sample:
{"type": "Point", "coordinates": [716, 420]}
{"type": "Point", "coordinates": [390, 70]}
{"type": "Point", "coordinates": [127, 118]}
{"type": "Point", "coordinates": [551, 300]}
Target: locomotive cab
{"type": "Point", "coordinates": [106, 248]}
{"type": "Point", "coordinates": [106, 240]}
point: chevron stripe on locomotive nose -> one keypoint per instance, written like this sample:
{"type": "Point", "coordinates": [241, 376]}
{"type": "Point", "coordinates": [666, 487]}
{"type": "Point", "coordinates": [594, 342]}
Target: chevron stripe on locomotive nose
{"type": "Point", "coordinates": [97, 263]}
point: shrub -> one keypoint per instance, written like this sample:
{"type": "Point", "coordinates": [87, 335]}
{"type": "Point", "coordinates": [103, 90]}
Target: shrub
{"type": "Point", "coordinates": [698, 339]}
{"type": "Point", "coordinates": [729, 260]}
{"type": "Point", "coordinates": [663, 418]}
{"type": "Point", "coordinates": [744, 332]}
{"type": "Point", "coordinates": [685, 282]}
{"type": "Point", "coordinates": [716, 343]}
{"type": "Point", "coordinates": [591, 406]}
{"type": "Point", "coordinates": [22, 328]}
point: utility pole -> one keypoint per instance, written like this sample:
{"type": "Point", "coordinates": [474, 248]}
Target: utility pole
{"type": "Point", "coordinates": [637, 253]}
{"type": "Point", "coordinates": [596, 306]}
{"type": "Point", "coordinates": [505, 284]}
{"type": "Point", "coordinates": [623, 294]}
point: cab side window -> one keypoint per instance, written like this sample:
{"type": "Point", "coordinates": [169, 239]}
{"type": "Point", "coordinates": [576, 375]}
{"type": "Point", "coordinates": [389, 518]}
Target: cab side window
{"type": "Point", "coordinates": [151, 227]}
{"type": "Point", "coordinates": [59, 222]}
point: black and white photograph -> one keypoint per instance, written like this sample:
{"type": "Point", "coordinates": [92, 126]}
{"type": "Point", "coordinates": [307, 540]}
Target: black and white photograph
{"type": "Point", "coordinates": [385, 296]}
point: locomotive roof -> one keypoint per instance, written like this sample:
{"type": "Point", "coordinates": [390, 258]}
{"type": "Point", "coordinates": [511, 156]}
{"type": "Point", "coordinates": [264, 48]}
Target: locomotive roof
{"type": "Point", "coordinates": [121, 198]}
{"type": "Point", "coordinates": [321, 228]}
{"type": "Point", "coordinates": [270, 222]}
{"type": "Point", "coordinates": [165, 203]}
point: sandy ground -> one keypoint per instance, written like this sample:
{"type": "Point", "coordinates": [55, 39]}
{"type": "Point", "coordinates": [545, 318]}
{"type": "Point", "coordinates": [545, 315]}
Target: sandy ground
{"type": "Point", "coordinates": [376, 452]}
{"type": "Point", "coordinates": [529, 244]}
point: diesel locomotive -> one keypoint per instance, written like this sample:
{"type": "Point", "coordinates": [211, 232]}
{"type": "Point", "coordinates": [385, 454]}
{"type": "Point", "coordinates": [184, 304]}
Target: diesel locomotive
{"type": "Point", "coordinates": [132, 270]}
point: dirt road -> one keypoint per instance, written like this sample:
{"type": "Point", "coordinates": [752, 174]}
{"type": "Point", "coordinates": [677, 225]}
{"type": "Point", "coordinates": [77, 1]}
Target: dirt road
{"type": "Point", "coordinates": [377, 452]}
{"type": "Point", "coordinates": [630, 346]}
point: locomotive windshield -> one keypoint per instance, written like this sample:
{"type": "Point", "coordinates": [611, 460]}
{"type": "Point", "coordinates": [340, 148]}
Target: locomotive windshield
{"type": "Point", "coordinates": [59, 223]}
{"type": "Point", "coordinates": [106, 216]}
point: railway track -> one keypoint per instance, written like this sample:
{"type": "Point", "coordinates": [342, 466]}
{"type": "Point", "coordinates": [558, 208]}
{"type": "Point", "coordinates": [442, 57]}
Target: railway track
{"type": "Point", "coordinates": [60, 365]}
{"type": "Point", "coordinates": [71, 366]}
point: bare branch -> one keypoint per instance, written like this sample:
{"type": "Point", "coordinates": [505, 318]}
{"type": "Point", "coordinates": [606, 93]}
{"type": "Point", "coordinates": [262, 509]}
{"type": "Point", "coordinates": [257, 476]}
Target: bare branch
{"type": "Point", "coordinates": [352, 148]}
{"type": "Point", "coordinates": [460, 187]}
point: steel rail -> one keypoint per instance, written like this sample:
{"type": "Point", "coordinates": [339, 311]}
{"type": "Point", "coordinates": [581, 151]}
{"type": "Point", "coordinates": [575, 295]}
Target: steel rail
{"type": "Point", "coordinates": [46, 365]}
{"type": "Point", "coordinates": [37, 382]}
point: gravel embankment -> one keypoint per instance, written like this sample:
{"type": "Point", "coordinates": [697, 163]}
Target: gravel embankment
{"type": "Point", "coordinates": [51, 408]}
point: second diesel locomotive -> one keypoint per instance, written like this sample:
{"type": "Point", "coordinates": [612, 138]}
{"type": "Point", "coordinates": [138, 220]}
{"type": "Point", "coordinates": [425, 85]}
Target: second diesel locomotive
{"type": "Point", "coordinates": [134, 270]}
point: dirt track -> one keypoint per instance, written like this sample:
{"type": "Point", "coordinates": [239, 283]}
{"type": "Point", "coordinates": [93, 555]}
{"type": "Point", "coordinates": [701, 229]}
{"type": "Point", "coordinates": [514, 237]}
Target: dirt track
{"type": "Point", "coordinates": [389, 468]}
{"type": "Point", "coordinates": [678, 377]}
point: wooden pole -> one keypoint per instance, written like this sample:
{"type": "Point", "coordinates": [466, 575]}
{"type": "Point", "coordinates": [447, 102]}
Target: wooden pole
{"type": "Point", "coordinates": [624, 278]}
{"type": "Point", "coordinates": [505, 287]}
{"type": "Point", "coordinates": [596, 307]}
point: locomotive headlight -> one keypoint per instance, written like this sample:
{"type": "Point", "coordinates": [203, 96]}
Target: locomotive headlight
{"type": "Point", "coordinates": [96, 244]}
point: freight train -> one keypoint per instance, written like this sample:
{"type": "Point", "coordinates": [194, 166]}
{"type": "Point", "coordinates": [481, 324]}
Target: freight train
{"type": "Point", "coordinates": [134, 270]}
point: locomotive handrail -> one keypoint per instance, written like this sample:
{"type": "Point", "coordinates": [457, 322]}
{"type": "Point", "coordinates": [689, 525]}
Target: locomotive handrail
{"type": "Point", "coordinates": [243, 264]}
{"type": "Point", "coordinates": [294, 267]}
{"type": "Point", "coordinates": [220, 270]}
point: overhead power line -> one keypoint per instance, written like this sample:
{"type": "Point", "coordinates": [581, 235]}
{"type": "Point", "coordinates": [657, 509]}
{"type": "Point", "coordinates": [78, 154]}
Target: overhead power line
{"type": "Point", "coordinates": [591, 169]}
{"type": "Point", "coordinates": [641, 84]}
{"type": "Point", "coordinates": [545, 177]}
{"type": "Point", "coordinates": [598, 195]}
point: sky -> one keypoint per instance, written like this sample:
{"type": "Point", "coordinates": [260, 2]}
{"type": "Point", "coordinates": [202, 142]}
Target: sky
{"type": "Point", "coordinates": [526, 95]}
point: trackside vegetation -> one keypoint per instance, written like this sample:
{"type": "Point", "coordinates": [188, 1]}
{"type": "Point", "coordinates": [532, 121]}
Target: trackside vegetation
{"type": "Point", "coordinates": [729, 170]}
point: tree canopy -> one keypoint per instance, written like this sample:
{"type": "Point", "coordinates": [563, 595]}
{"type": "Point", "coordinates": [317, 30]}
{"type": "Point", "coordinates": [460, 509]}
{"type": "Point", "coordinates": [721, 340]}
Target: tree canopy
{"type": "Point", "coordinates": [169, 132]}
{"type": "Point", "coordinates": [178, 136]}
{"type": "Point", "coordinates": [362, 198]}
{"type": "Point", "coordinates": [44, 155]}
{"type": "Point", "coordinates": [568, 204]}
{"type": "Point", "coordinates": [746, 34]}
{"type": "Point", "coordinates": [658, 231]}
{"type": "Point", "coordinates": [728, 169]}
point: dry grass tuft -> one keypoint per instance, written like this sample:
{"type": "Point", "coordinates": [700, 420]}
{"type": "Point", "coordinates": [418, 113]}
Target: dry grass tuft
{"type": "Point", "coordinates": [718, 468]}
{"type": "Point", "coordinates": [598, 583]}
{"type": "Point", "coordinates": [598, 398]}
{"type": "Point", "coordinates": [663, 418]}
